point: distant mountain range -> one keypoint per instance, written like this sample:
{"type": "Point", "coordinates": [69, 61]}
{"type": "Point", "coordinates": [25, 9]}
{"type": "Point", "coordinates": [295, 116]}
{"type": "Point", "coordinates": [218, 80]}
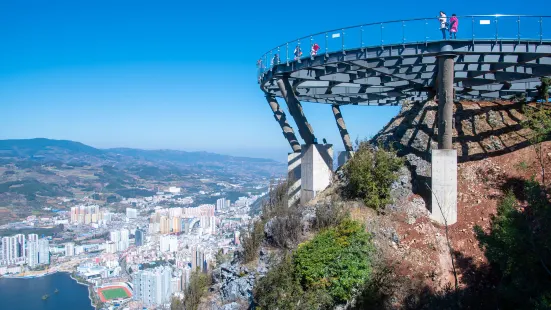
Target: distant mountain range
{"type": "Point", "coordinates": [35, 173]}
{"type": "Point", "coordinates": [49, 149]}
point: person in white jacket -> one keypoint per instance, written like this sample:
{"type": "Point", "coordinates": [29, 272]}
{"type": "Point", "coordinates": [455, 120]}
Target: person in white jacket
{"type": "Point", "coordinates": [443, 24]}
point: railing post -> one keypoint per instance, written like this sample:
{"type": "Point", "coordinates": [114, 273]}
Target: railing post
{"type": "Point", "coordinates": [326, 45]}
{"type": "Point", "coordinates": [497, 33]}
{"type": "Point", "coordinates": [541, 29]}
{"type": "Point", "coordinates": [518, 29]}
{"type": "Point", "coordinates": [298, 57]}
{"type": "Point", "coordinates": [311, 44]}
{"type": "Point", "coordinates": [472, 18]}
{"type": "Point", "coordinates": [382, 42]}
{"type": "Point", "coordinates": [403, 33]}
{"type": "Point", "coordinates": [425, 30]}
{"type": "Point", "coordinates": [362, 37]}
{"type": "Point", "coordinates": [287, 53]}
{"type": "Point", "coordinates": [343, 34]}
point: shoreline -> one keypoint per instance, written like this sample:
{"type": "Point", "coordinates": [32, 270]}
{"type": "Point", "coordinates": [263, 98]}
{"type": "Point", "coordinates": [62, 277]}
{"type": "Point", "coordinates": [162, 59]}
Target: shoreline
{"type": "Point", "coordinates": [88, 286]}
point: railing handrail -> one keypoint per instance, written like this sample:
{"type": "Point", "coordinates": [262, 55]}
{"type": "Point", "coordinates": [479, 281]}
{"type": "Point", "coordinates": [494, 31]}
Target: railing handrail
{"type": "Point", "coordinates": [398, 21]}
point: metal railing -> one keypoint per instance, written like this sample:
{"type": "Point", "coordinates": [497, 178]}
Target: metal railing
{"type": "Point", "coordinates": [419, 30]}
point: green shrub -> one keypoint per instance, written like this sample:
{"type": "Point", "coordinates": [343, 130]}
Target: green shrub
{"type": "Point", "coordinates": [251, 240]}
{"type": "Point", "coordinates": [286, 228]}
{"type": "Point", "coordinates": [280, 289]}
{"type": "Point", "coordinates": [519, 244]}
{"type": "Point", "coordinates": [370, 173]}
{"type": "Point", "coordinates": [325, 271]}
{"type": "Point", "coordinates": [337, 259]}
{"type": "Point", "coordinates": [197, 288]}
{"type": "Point", "coordinates": [329, 215]}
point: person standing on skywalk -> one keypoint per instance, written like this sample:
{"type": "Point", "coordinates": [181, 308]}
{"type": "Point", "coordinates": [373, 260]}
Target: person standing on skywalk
{"type": "Point", "coordinates": [443, 24]}
{"type": "Point", "coordinates": [454, 22]}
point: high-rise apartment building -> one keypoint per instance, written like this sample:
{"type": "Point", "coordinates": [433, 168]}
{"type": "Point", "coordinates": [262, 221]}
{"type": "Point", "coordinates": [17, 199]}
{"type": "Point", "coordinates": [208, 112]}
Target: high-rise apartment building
{"type": "Point", "coordinates": [139, 237]}
{"type": "Point", "coordinates": [69, 249]}
{"type": "Point", "coordinates": [32, 254]}
{"type": "Point", "coordinates": [164, 224]}
{"type": "Point", "coordinates": [176, 224]}
{"type": "Point", "coordinates": [86, 214]}
{"type": "Point", "coordinates": [131, 213]}
{"type": "Point", "coordinates": [220, 204]}
{"type": "Point", "coordinates": [14, 250]}
{"type": "Point", "coordinates": [153, 286]}
{"type": "Point", "coordinates": [38, 251]}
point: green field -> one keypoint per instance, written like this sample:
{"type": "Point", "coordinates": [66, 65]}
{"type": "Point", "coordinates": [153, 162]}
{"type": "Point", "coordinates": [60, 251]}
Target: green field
{"type": "Point", "coordinates": [114, 293]}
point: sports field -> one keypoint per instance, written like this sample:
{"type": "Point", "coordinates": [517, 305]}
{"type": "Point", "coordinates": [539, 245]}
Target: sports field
{"type": "Point", "coordinates": [113, 293]}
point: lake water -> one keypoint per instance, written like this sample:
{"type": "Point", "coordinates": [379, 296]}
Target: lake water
{"type": "Point", "coordinates": [26, 294]}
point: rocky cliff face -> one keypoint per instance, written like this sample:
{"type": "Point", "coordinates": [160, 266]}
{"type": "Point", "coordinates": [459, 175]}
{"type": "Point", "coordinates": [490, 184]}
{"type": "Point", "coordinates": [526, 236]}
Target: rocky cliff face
{"type": "Point", "coordinates": [481, 129]}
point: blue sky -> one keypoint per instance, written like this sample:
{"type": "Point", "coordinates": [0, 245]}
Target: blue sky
{"type": "Point", "coordinates": [176, 74]}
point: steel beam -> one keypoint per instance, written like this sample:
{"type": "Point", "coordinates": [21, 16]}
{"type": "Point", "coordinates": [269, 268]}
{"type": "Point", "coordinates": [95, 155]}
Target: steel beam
{"type": "Point", "coordinates": [342, 128]}
{"type": "Point", "coordinates": [280, 117]}
{"type": "Point", "coordinates": [445, 100]}
{"type": "Point", "coordinates": [295, 108]}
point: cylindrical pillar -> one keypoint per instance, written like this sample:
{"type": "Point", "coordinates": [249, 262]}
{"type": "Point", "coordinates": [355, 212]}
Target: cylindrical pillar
{"type": "Point", "coordinates": [295, 108]}
{"type": "Point", "coordinates": [445, 101]}
{"type": "Point", "coordinates": [342, 128]}
{"type": "Point", "coordinates": [280, 117]}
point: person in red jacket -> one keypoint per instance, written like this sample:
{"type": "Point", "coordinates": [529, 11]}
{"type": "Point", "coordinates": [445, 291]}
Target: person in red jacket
{"type": "Point", "coordinates": [454, 22]}
{"type": "Point", "coordinates": [315, 49]}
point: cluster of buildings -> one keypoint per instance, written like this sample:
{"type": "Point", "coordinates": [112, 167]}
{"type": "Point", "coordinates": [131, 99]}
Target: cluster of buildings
{"type": "Point", "coordinates": [89, 214]}
{"type": "Point", "coordinates": [119, 241]}
{"type": "Point", "coordinates": [20, 249]}
{"type": "Point", "coordinates": [222, 204]}
{"type": "Point", "coordinates": [176, 220]}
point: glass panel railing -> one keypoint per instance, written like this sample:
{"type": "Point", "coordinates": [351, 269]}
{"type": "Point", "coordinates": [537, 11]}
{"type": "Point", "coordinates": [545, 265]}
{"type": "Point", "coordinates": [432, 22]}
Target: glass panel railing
{"type": "Point", "coordinates": [530, 28]}
{"type": "Point", "coordinates": [371, 35]}
{"type": "Point", "coordinates": [485, 27]}
{"type": "Point", "coordinates": [392, 33]}
{"type": "Point", "coordinates": [545, 28]}
{"type": "Point", "coordinates": [352, 38]}
{"type": "Point", "coordinates": [417, 30]}
{"type": "Point", "coordinates": [490, 27]}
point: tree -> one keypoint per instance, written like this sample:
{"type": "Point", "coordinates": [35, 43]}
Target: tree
{"type": "Point", "coordinates": [538, 120]}
{"type": "Point", "coordinates": [543, 88]}
{"type": "Point", "coordinates": [198, 284]}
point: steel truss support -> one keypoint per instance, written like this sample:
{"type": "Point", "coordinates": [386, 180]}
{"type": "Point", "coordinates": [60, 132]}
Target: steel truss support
{"type": "Point", "coordinates": [342, 129]}
{"type": "Point", "coordinates": [281, 118]}
{"type": "Point", "coordinates": [295, 108]}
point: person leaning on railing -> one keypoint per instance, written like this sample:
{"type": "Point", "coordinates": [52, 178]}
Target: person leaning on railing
{"type": "Point", "coordinates": [443, 24]}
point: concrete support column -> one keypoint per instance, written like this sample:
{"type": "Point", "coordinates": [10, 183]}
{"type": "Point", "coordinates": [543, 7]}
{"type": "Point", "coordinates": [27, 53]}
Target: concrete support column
{"type": "Point", "coordinates": [445, 100]}
{"type": "Point", "coordinates": [444, 160]}
{"type": "Point", "coordinates": [295, 108]}
{"type": "Point", "coordinates": [316, 170]}
{"type": "Point", "coordinates": [342, 128]}
{"type": "Point", "coordinates": [280, 117]}
{"type": "Point", "coordinates": [294, 177]}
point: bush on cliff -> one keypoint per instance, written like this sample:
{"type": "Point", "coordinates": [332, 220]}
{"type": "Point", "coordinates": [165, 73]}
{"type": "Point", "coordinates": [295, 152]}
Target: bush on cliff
{"type": "Point", "coordinates": [370, 173]}
{"type": "Point", "coordinates": [519, 246]}
{"type": "Point", "coordinates": [322, 272]}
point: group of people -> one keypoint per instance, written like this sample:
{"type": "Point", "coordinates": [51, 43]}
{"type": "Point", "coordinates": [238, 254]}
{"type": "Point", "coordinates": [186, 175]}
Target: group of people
{"type": "Point", "coordinates": [447, 27]}
{"type": "Point", "coordinates": [450, 26]}
{"type": "Point", "coordinates": [313, 51]}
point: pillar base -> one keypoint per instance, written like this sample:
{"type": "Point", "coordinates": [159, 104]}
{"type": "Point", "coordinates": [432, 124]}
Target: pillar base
{"type": "Point", "coordinates": [444, 187]}
{"type": "Point", "coordinates": [343, 157]}
{"type": "Point", "coordinates": [316, 170]}
{"type": "Point", "coordinates": [293, 177]}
